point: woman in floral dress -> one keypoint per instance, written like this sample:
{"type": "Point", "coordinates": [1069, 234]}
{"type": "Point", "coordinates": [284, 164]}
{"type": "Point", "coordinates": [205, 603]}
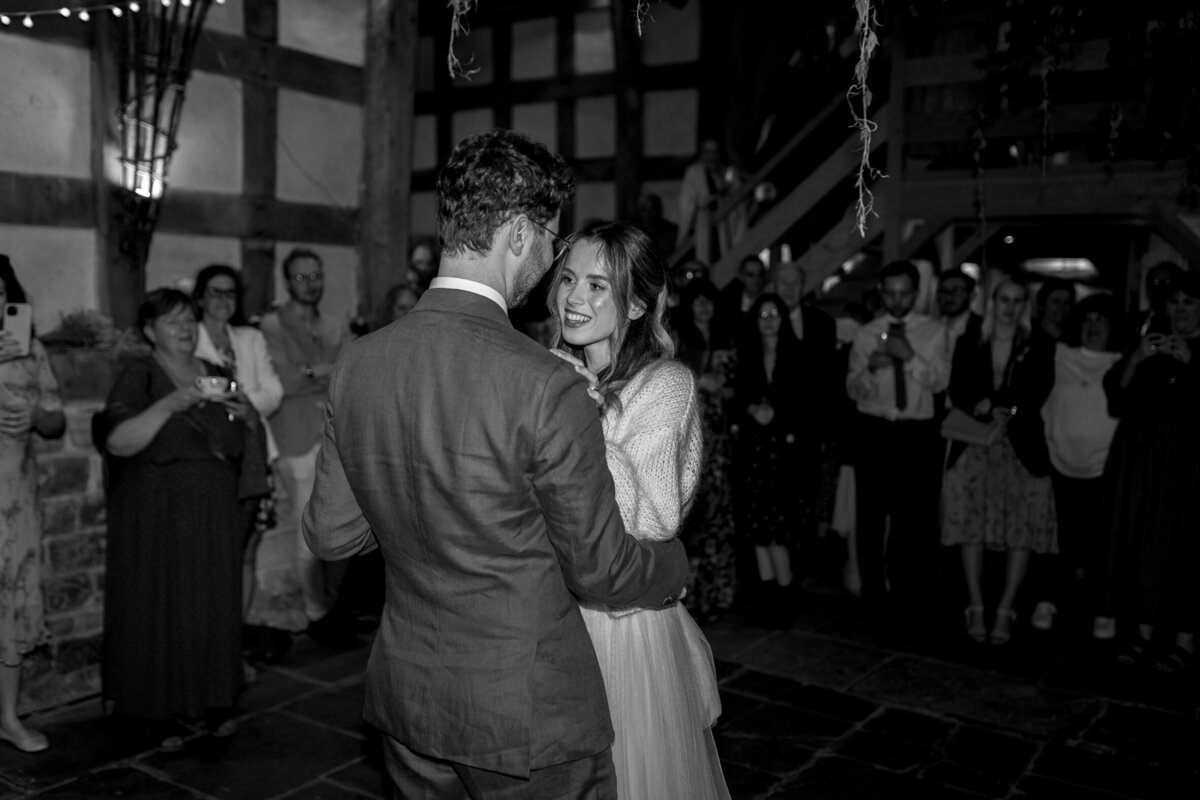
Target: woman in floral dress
{"type": "Point", "coordinates": [28, 402]}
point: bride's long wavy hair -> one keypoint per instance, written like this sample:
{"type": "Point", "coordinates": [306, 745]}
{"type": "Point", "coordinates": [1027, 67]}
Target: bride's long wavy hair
{"type": "Point", "coordinates": [637, 277]}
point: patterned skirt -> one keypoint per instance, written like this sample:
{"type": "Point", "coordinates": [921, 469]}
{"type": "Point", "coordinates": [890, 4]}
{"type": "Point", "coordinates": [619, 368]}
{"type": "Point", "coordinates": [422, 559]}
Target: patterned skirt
{"type": "Point", "coordinates": [990, 498]}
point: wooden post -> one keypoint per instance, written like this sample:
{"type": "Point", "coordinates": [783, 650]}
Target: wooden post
{"type": "Point", "coordinates": [389, 94]}
{"type": "Point", "coordinates": [627, 48]}
{"type": "Point", "coordinates": [260, 125]}
{"type": "Point", "coordinates": [893, 214]}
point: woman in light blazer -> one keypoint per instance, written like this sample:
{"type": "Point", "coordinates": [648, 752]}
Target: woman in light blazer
{"type": "Point", "coordinates": [227, 341]}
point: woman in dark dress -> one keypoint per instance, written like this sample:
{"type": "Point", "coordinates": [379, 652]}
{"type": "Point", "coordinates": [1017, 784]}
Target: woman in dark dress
{"type": "Point", "coordinates": [1152, 544]}
{"type": "Point", "coordinates": [778, 454]}
{"type": "Point", "coordinates": [708, 531]}
{"type": "Point", "coordinates": [174, 446]}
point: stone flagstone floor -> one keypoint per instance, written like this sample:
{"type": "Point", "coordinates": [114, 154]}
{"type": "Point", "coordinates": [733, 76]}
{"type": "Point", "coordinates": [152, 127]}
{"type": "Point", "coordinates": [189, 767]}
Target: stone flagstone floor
{"type": "Point", "coordinates": [833, 708]}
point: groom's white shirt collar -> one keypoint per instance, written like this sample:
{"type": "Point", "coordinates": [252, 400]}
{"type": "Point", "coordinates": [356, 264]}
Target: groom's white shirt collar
{"type": "Point", "coordinates": [474, 287]}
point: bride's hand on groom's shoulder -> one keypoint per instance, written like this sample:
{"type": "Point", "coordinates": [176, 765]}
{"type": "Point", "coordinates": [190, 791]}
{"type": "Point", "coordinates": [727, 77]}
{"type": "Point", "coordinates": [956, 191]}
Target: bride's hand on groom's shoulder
{"type": "Point", "coordinates": [582, 370]}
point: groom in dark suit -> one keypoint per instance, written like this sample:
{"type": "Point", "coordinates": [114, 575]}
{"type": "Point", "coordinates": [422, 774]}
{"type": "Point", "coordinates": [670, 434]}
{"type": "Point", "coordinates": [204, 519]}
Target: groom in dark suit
{"type": "Point", "coordinates": [475, 460]}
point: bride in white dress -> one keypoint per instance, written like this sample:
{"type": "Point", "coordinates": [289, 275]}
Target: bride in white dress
{"type": "Point", "coordinates": [608, 298]}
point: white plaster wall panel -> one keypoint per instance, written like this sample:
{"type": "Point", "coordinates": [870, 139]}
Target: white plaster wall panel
{"type": "Point", "coordinates": [45, 108]}
{"type": "Point", "coordinates": [595, 127]}
{"type": "Point", "coordinates": [209, 152]}
{"type": "Point", "coordinates": [335, 29]}
{"type": "Point", "coordinates": [539, 121]}
{"type": "Point", "coordinates": [226, 18]}
{"type": "Point", "coordinates": [422, 214]}
{"type": "Point", "coordinates": [593, 42]}
{"type": "Point", "coordinates": [320, 158]}
{"type": "Point", "coordinates": [474, 51]}
{"type": "Point", "coordinates": [594, 201]}
{"type": "Point", "coordinates": [533, 49]}
{"type": "Point", "coordinates": [340, 300]}
{"type": "Point", "coordinates": [668, 191]}
{"type": "Point", "coordinates": [427, 63]}
{"type": "Point", "coordinates": [425, 142]}
{"type": "Point", "coordinates": [669, 123]}
{"type": "Point", "coordinates": [671, 35]}
{"type": "Point", "coordinates": [56, 266]}
{"type": "Point", "coordinates": [470, 122]}
{"type": "Point", "coordinates": [176, 258]}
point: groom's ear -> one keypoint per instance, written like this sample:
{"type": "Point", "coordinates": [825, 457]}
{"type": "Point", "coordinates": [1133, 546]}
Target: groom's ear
{"type": "Point", "coordinates": [636, 310]}
{"type": "Point", "coordinates": [519, 235]}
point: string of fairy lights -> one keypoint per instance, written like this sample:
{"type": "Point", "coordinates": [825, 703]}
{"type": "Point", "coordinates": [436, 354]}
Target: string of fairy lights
{"type": "Point", "coordinates": [83, 13]}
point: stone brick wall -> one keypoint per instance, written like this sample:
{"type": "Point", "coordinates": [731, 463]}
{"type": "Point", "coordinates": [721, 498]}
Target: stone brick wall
{"type": "Point", "coordinates": [70, 481]}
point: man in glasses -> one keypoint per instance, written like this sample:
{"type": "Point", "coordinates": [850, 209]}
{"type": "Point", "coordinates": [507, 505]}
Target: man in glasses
{"type": "Point", "coordinates": [303, 344]}
{"type": "Point", "coordinates": [954, 291]}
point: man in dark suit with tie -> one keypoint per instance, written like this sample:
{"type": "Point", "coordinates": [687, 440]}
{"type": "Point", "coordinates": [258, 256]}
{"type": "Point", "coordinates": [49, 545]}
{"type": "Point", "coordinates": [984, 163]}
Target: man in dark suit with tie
{"type": "Point", "coordinates": [474, 459]}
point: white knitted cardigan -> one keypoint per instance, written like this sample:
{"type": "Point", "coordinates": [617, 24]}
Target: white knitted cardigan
{"type": "Point", "coordinates": [655, 448]}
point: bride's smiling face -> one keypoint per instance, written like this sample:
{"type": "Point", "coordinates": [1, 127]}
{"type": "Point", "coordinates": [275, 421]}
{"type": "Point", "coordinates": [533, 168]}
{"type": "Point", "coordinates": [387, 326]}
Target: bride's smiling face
{"type": "Point", "coordinates": [584, 299]}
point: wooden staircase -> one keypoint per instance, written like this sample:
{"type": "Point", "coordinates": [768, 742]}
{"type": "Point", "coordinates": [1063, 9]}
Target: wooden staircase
{"type": "Point", "coordinates": [948, 213]}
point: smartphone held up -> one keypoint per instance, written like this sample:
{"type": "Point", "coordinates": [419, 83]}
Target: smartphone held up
{"type": "Point", "coordinates": [17, 323]}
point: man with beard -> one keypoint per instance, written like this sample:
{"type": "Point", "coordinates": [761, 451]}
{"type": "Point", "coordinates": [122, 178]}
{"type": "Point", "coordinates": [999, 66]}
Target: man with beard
{"type": "Point", "coordinates": [474, 459]}
{"type": "Point", "coordinates": [899, 363]}
{"type": "Point", "coordinates": [303, 344]}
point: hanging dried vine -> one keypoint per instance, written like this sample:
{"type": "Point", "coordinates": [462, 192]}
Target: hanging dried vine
{"type": "Point", "coordinates": [458, 28]}
{"type": "Point", "coordinates": [859, 98]}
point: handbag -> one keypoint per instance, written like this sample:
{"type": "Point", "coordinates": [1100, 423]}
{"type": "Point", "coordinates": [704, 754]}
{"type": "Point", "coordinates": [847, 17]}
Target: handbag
{"type": "Point", "coordinates": [959, 426]}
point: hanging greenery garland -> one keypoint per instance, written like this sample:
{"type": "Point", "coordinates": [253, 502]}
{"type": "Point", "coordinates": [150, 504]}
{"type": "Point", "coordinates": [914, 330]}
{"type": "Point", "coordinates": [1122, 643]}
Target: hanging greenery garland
{"type": "Point", "coordinates": [859, 98]}
{"type": "Point", "coordinates": [458, 27]}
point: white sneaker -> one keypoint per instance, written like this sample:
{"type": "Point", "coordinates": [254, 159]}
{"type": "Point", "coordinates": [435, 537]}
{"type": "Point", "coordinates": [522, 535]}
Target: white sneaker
{"type": "Point", "coordinates": [1043, 616]}
{"type": "Point", "coordinates": [1104, 628]}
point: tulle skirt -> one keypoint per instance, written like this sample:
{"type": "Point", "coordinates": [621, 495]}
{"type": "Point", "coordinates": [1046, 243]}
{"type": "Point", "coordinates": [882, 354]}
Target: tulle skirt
{"type": "Point", "coordinates": [662, 695]}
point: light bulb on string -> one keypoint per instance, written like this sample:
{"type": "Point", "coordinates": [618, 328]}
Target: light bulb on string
{"type": "Point", "coordinates": [134, 7]}
{"type": "Point", "coordinates": [66, 12]}
{"type": "Point", "coordinates": [28, 23]}
{"type": "Point", "coordinates": [117, 11]}
{"type": "Point", "coordinates": [84, 16]}
{"type": "Point", "coordinates": [4, 20]}
{"type": "Point", "coordinates": [186, 3]}
{"type": "Point", "coordinates": [166, 3]}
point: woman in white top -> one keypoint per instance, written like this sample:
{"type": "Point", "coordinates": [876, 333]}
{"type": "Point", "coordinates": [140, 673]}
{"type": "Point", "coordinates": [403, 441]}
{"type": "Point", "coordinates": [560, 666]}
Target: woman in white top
{"type": "Point", "coordinates": [1079, 432]}
{"type": "Point", "coordinates": [225, 340]}
{"type": "Point", "coordinates": [608, 299]}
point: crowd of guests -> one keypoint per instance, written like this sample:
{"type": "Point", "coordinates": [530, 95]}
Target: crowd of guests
{"type": "Point", "coordinates": [1043, 426]}
{"type": "Point", "coordinates": [1049, 428]}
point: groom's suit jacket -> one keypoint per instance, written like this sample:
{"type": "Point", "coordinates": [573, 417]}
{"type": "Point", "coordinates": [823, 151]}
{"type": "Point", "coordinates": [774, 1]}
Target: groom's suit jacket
{"type": "Point", "coordinates": [475, 459]}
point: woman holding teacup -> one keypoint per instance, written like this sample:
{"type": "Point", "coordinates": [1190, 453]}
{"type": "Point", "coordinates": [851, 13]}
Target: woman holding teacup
{"type": "Point", "coordinates": [174, 432]}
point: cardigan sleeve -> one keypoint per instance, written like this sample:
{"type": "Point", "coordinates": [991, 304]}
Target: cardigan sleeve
{"type": "Point", "coordinates": [655, 451]}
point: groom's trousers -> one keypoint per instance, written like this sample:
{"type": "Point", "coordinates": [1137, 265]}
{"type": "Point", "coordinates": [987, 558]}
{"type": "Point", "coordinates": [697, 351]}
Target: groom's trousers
{"type": "Point", "coordinates": [418, 777]}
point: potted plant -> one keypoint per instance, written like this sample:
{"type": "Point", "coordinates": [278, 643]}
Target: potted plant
{"type": "Point", "coordinates": [84, 350]}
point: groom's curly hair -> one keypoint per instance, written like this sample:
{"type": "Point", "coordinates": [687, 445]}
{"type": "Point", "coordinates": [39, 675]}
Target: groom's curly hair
{"type": "Point", "coordinates": [490, 178]}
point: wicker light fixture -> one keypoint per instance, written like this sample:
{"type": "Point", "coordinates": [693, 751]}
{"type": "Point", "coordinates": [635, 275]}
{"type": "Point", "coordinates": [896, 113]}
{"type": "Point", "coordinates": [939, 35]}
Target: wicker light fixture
{"type": "Point", "coordinates": [156, 41]}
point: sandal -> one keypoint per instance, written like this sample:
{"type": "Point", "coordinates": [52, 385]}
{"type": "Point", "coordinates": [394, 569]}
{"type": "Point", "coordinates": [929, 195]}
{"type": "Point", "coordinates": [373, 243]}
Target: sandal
{"type": "Point", "coordinates": [1002, 632]}
{"type": "Point", "coordinates": [976, 630]}
{"type": "Point", "coordinates": [1133, 653]}
{"type": "Point", "coordinates": [171, 744]}
{"type": "Point", "coordinates": [1174, 661]}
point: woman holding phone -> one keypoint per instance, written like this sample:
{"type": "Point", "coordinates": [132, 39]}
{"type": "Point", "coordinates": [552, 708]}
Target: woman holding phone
{"type": "Point", "coordinates": [1150, 552]}
{"type": "Point", "coordinates": [29, 402]}
{"type": "Point", "coordinates": [176, 441]}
